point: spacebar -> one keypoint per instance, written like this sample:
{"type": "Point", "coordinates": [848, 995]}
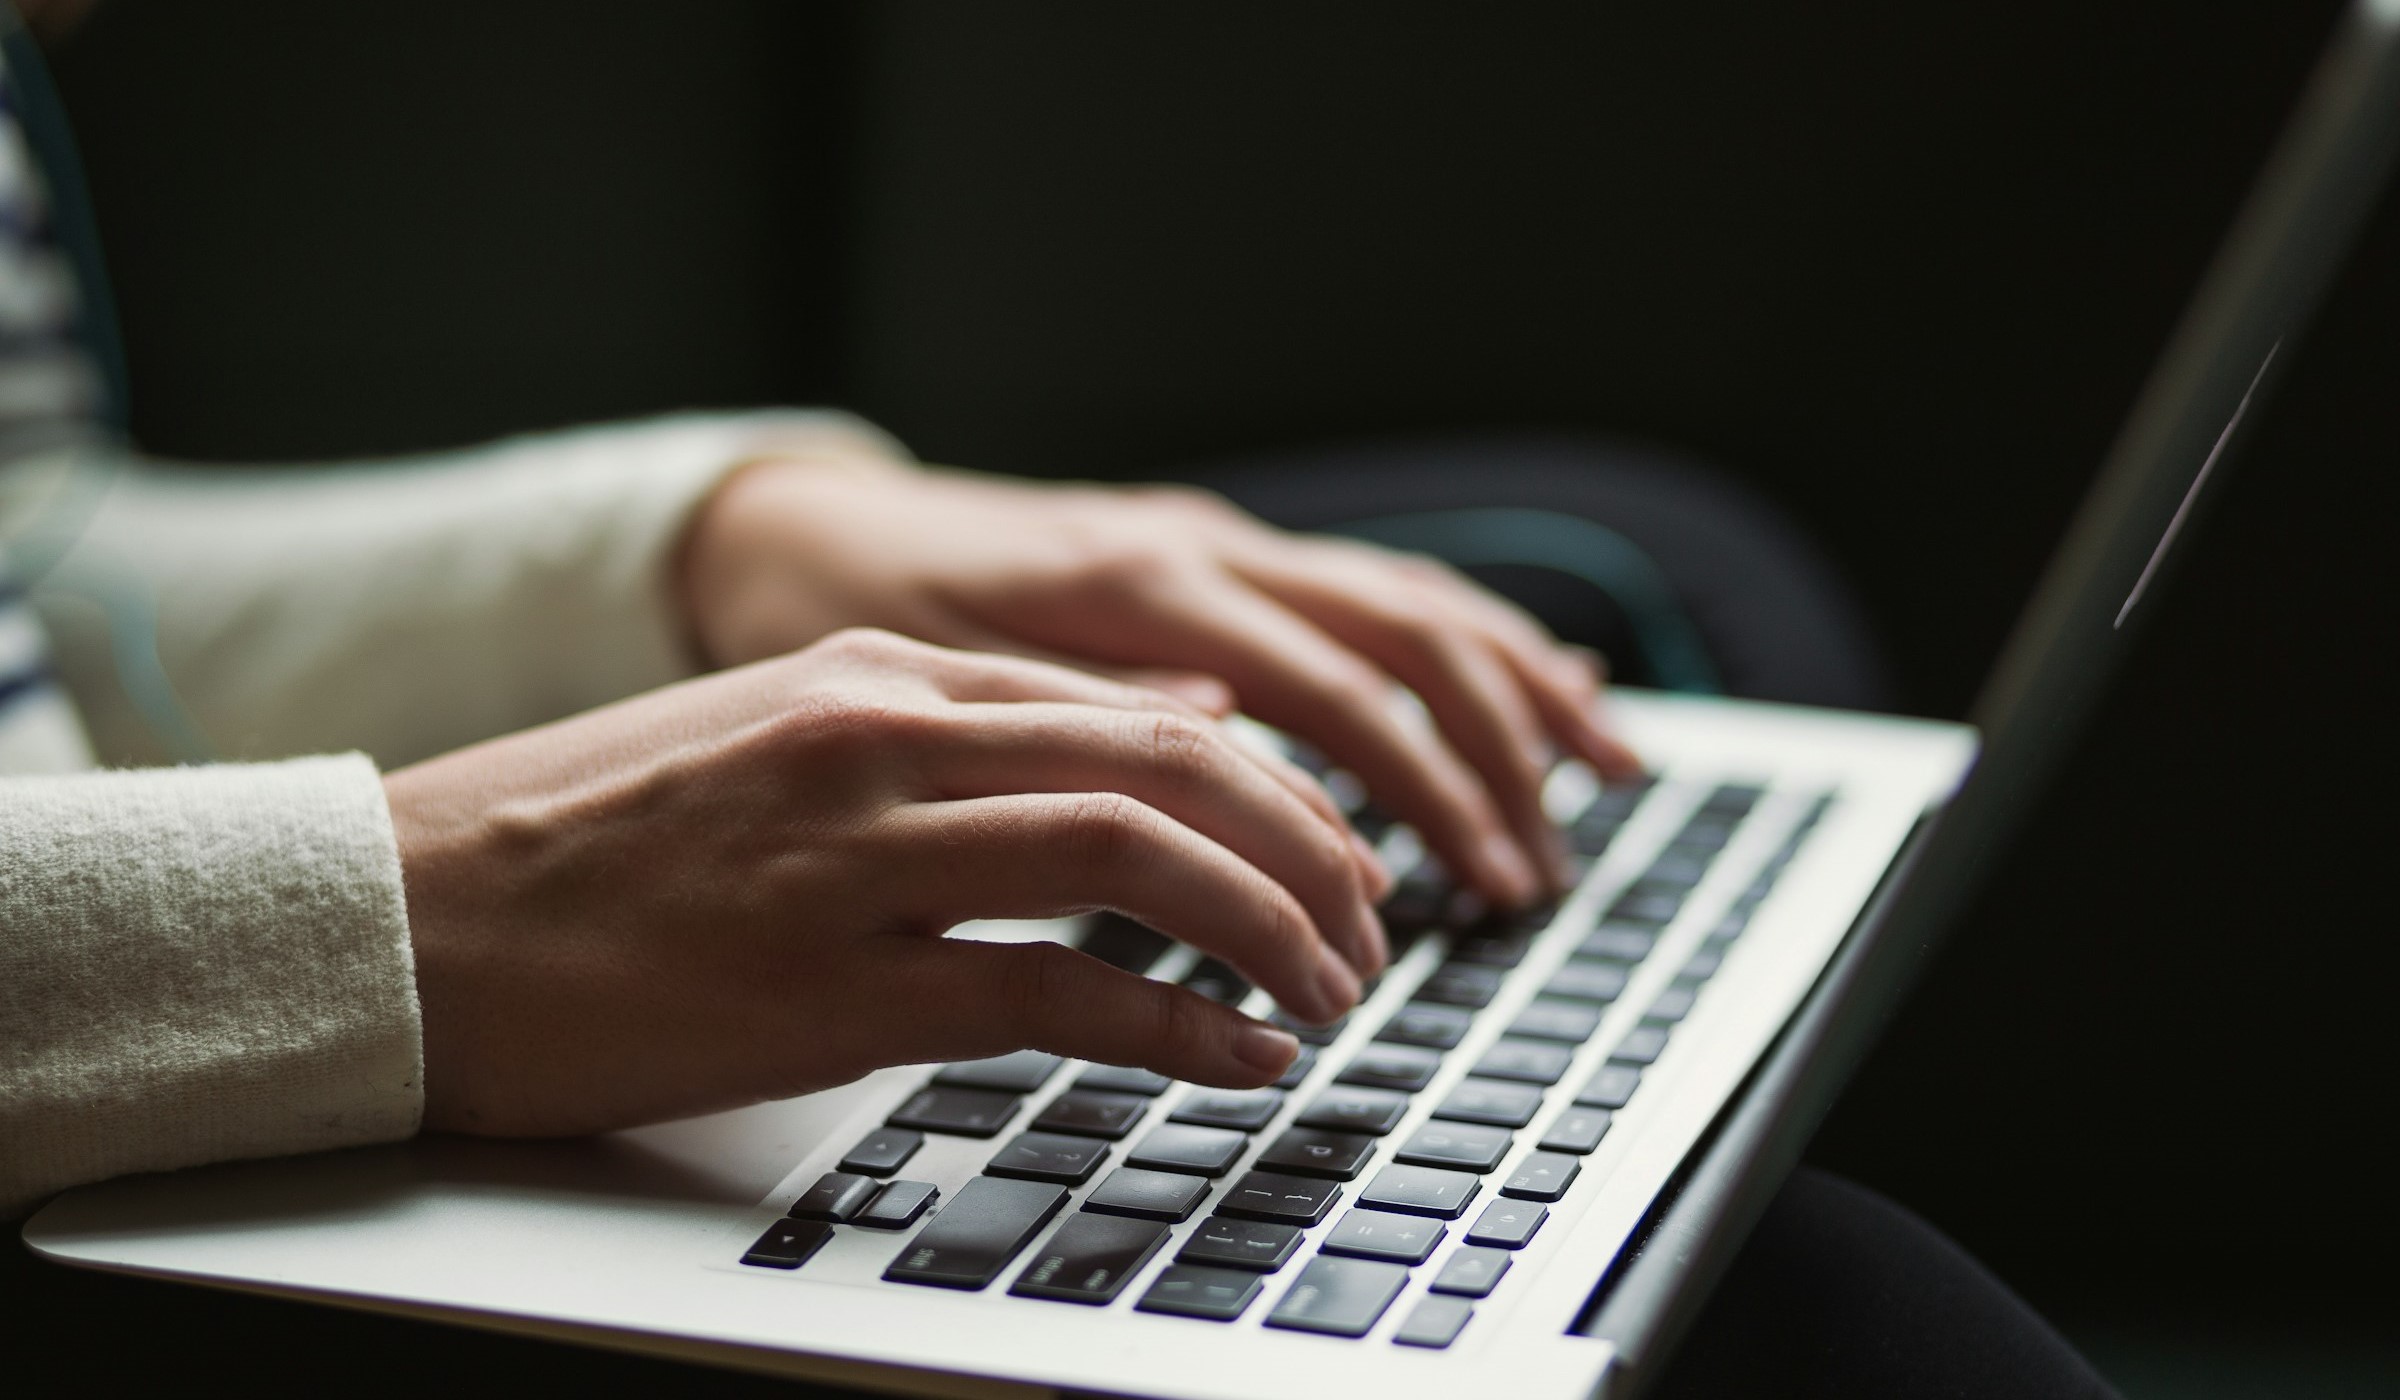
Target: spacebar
{"type": "Point", "coordinates": [984, 1226]}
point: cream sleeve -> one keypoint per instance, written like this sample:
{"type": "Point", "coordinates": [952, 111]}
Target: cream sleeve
{"type": "Point", "coordinates": [213, 962]}
{"type": "Point", "coordinates": [400, 608]}
{"type": "Point", "coordinates": [199, 964]}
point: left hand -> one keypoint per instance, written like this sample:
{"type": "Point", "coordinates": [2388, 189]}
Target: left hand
{"type": "Point", "coordinates": [1176, 588]}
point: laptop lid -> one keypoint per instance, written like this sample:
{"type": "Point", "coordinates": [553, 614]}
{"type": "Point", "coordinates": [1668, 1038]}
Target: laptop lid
{"type": "Point", "coordinates": [2287, 243]}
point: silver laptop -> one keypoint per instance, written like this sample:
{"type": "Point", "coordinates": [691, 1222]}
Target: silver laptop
{"type": "Point", "coordinates": [1523, 1159]}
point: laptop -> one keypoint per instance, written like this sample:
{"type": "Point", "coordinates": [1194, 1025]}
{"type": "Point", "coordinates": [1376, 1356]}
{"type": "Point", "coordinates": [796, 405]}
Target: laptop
{"type": "Point", "coordinates": [1523, 1159]}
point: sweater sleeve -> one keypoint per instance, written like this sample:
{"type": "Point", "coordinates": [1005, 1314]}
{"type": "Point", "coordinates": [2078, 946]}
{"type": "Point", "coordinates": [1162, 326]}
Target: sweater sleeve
{"type": "Point", "coordinates": [199, 964]}
{"type": "Point", "coordinates": [402, 608]}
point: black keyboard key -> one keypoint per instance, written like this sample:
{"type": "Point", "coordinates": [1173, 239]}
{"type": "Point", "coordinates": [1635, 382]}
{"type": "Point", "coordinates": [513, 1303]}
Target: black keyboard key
{"type": "Point", "coordinates": [1618, 942]}
{"type": "Point", "coordinates": [1339, 1297]}
{"type": "Point", "coordinates": [834, 1198]}
{"type": "Point", "coordinates": [1491, 1101]}
{"type": "Point", "coordinates": [1610, 1087]}
{"type": "Point", "coordinates": [1473, 1147]}
{"type": "Point", "coordinates": [1430, 1191]}
{"type": "Point", "coordinates": [1317, 1152]}
{"type": "Point", "coordinates": [1677, 868]}
{"type": "Point", "coordinates": [1375, 1234]}
{"type": "Point", "coordinates": [1429, 1024]}
{"type": "Point", "coordinates": [1578, 1130]}
{"type": "Point", "coordinates": [1569, 1022]}
{"type": "Point", "coordinates": [1149, 1195]}
{"type": "Point", "coordinates": [1298, 1069]}
{"type": "Point", "coordinates": [1462, 984]}
{"type": "Point", "coordinates": [1732, 800]}
{"type": "Point", "coordinates": [1703, 835]}
{"type": "Point", "coordinates": [1020, 1073]}
{"type": "Point", "coordinates": [1525, 1061]}
{"type": "Point", "coordinates": [1243, 1110]}
{"type": "Point", "coordinates": [1069, 1161]}
{"type": "Point", "coordinates": [1582, 979]}
{"type": "Point", "coordinates": [984, 1226]}
{"type": "Point", "coordinates": [1672, 1005]}
{"type": "Point", "coordinates": [1648, 905]}
{"type": "Point", "coordinates": [1178, 1147]}
{"type": "Point", "coordinates": [1471, 1271]}
{"type": "Point", "coordinates": [1542, 1176]}
{"type": "Point", "coordinates": [1307, 1033]}
{"type": "Point", "coordinates": [897, 1205]}
{"type": "Point", "coordinates": [1507, 1224]}
{"type": "Point", "coordinates": [1641, 1046]}
{"type": "Point", "coordinates": [1260, 1245]}
{"type": "Point", "coordinates": [1276, 1196]}
{"type": "Point", "coordinates": [1406, 1068]}
{"type": "Point", "coordinates": [1084, 1113]}
{"type": "Point", "coordinates": [1433, 1323]}
{"type": "Point", "coordinates": [1089, 1259]}
{"type": "Point", "coordinates": [1124, 944]}
{"type": "Point", "coordinates": [788, 1244]}
{"type": "Point", "coordinates": [1492, 948]}
{"type": "Point", "coordinates": [883, 1151]}
{"type": "Point", "coordinates": [1345, 1110]}
{"type": "Point", "coordinates": [1122, 1079]}
{"type": "Point", "coordinates": [1216, 981]}
{"type": "Point", "coordinates": [978, 1113]}
{"type": "Point", "coordinates": [1192, 1290]}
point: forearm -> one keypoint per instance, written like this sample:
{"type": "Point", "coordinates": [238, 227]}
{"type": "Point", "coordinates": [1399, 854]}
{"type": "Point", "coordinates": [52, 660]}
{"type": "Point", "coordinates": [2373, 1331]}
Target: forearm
{"type": "Point", "coordinates": [403, 607]}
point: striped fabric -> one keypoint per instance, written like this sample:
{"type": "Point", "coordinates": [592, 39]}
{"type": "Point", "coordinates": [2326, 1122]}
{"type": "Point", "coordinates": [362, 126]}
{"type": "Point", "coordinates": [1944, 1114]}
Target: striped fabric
{"type": "Point", "coordinates": [49, 395]}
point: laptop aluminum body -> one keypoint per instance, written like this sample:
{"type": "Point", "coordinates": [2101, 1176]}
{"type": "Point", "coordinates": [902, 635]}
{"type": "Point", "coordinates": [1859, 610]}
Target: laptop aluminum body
{"type": "Point", "coordinates": [1865, 835]}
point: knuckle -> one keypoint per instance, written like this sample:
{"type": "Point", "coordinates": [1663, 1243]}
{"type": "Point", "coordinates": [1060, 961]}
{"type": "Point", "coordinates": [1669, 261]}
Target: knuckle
{"type": "Point", "coordinates": [1188, 500]}
{"type": "Point", "coordinates": [1181, 749]}
{"type": "Point", "coordinates": [1180, 1017]}
{"type": "Point", "coordinates": [846, 726]}
{"type": "Point", "coordinates": [1044, 983]}
{"type": "Point", "coordinates": [1105, 829]}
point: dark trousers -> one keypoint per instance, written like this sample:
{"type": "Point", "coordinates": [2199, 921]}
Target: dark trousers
{"type": "Point", "coordinates": [1838, 1292]}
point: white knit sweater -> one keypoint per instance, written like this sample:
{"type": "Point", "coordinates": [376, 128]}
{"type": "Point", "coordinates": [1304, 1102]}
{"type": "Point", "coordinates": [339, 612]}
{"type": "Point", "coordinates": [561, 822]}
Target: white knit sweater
{"type": "Point", "coordinates": [210, 962]}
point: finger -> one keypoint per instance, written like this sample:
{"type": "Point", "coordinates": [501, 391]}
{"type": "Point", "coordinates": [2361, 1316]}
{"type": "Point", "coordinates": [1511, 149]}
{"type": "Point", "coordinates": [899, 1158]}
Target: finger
{"type": "Point", "coordinates": [1198, 689]}
{"type": "Point", "coordinates": [1183, 767]}
{"type": "Point", "coordinates": [973, 677]}
{"type": "Point", "coordinates": [1479, 702]}
{"type": "Point", "coordinates": [1564, 682]}
{"type": "Point", "coordinates": [999, 997]}
{"type": "Point", "coordinates": [1291, 674]}
{"type": "Point", "coordinates": [1047, 855]}
{"type": "Point", "coordinates": [1006, 678]}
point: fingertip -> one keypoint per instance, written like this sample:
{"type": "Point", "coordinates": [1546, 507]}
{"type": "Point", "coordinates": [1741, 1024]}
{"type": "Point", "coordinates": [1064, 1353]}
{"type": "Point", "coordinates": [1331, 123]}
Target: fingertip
{"type": "Point", "coordinates": [1263, 1051]}
{"type": "Point", "coordinates": [1508, 872]}
{"type": "Point", "coordinates": [1377, 880]}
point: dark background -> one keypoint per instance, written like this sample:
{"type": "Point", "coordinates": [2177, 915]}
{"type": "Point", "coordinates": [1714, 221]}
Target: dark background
{"type": "Point", "coordinates": [1900, 268]}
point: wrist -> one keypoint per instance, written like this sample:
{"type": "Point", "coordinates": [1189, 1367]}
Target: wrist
{"type": "Point", "coordinates": [740, 575]}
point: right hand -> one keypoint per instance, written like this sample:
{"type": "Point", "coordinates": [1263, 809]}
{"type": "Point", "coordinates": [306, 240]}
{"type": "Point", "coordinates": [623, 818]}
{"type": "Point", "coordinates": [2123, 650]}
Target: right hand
{"type": "Point", "coordinates": [735, 889]}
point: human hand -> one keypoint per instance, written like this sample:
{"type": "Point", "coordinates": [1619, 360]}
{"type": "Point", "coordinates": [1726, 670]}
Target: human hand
{"type": "Point", "coordinates": [1312, 634]}
{"type": "Point", "coordinates": [734, 889]}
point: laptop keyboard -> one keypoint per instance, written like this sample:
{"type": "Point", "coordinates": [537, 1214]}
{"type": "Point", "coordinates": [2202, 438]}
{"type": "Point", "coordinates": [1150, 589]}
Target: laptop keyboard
{"type": "Point", "coordinates": [1356, 1206]}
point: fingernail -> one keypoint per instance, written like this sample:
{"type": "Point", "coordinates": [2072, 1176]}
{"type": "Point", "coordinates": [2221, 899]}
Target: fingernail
{"type": "Point", "coordinates": [1509, 865]}
{"type": "Point", "coordinates": [1376, 949]}
{"type": "Point", "coordinates": [1336, 984]}
{"type": "Point", "coordinates": [1265, 1049]}
{"type": "Point", "coordinates": [1379, 880]}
